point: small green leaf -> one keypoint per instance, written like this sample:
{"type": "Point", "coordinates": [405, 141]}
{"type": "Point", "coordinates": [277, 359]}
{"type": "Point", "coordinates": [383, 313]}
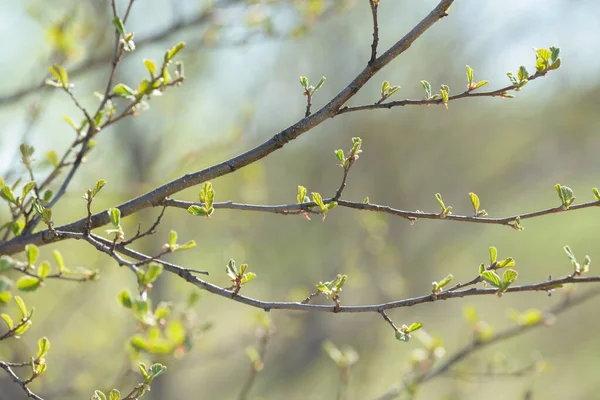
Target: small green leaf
{"type": "Point", "coordinates": [439, 285]}
{"type": "Point", "coordinates": [150, 66]}
{"type": "Point", "coordinates": [475, 202]}
{"type": "Point", "coordinates": [124, 298]}
{"type": "Point", "coordinates": [22, 307]}
{"type": "Point", "coordinates": [492, 278]}
{"type": "Point", "coordinates": [8, 320]}
{"type": "Point", "coordinates": [438, 197]}
{"type": "Point", "coordinates": [207, 195]}
{"type": "Point", "coordinates": [427, 87]}
{"type": "Point", "coordinates": [480, 84]}
{"type": "Point", "coordinates": [157, 369]}
{"type": "Point", "coordinates": [493, 255]}
{"type": "Point", "coordinates": [43, 270]}
{"type": "Point", "coordinates": [250, 276]}
{"type": "Point", "coordinates": [320, 84]}
{"type": "Point", "coordinates": [469, 74]}
{"type": "Point", "coordinates": [566, 195]}
{"type": "Point", "coordinates": [153, 272]}
{"type": "Point", "coordinates": [340, 156]}
{"type": "Point", "coordinates": [596, 194]}
{"type": "Point", "coordinates": [509, 276]}
{"type": "Point", "coordinates": [114, 395]}
{"type": "Point", "coordinates": [59, 261]}
{"type": "Point", "coordinates": [28, 283]}
{"type": "Point", "coordinates": [392, 90]}
{"type": "Point", "coordinates": [231, 269]}
{"type": "Point", "coordinates": [509, 262]}
{"type": "Point", "coordinates": [172, 238]}
{"type": "Point", "coordinates": [319, 200]}
{"type": "Point", "coordinates": [115, 217]}
{"type": "Point", "coordinates": [118, 24]}
{"type": "Point", "coordinates": [173, 51]}
{"type": "Point", "coordinates": [32, 253]}
{"type": "Point", "coordinates": [43, 347]}
{"type": "Point", "coordinates": [123, 90]}
{"type": "Point", "coordinates": [7, 194]}
{"type": "Point", "coordinates": [26, 189]}
{"type": "Point", "coordinates": [587, 261]}
{"type": "Point", "coordinates": [301, 194]}
{"type": "Point", "coordinates": [444, 91]}
{"type": "Point", "coordinates": [99, 185]}
{"type": "Point", "coordinates": [71, 123]}
{"type": "Point", "coordinates": [99, 395]}
{"type": "Point", "coordinates": [60, 74]}
{"type": "Point", "coordinates": [198, 210]}
{"type": "Point", "coordinates": [304, 82]}
{"type": "Point", "coordinates": [47, 196]}
{"type": "Point", "coordinates": [414, 326]}
{"type": "Point", "coordinates": [144, 86]}
{"type": "Point", "coordinates": [384, 87]}
{"type": "Point", "coordinates": [522, 74]}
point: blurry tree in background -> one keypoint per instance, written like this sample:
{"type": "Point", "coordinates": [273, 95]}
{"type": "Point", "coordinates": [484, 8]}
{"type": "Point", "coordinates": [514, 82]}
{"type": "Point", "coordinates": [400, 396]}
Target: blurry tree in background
{"type": "Point", "coordinates": [175, 173]}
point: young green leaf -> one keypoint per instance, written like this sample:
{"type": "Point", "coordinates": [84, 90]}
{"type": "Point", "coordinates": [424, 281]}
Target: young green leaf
{"type": "Point", "coordinates": [124, 298]}
{"type": "Point", "coordinates": [28, 283]}
{"type": "Point", "coordinates": [469, 75]}
{"type": "Point", "coordinates": [114, 395]}
{"type": "Point", "coordinates": [8, 320]}
{"type": "Point", "coordinates": [60, 74]}
{"type": "Point", "coordinates": [151, 67]}
{"type": "Point", "coordinates": [301, 194]}
{"type": "Point", "coordinates": [43, 270]}
{"type": "Point", "coordinates": [173, 51]}
{"type": "Point", "coordinates": [492, 278]}
{"type": "Point", "coordinates": [99, 185]}
{"type": "Point", "coordinates": [320, 84]}
{"type": "Point", "coordinates": [427, 88]}
{"type": "Point", "coordinates": [493, 255]}
{"type": "Point", "coordinates": [32, 252]}
{"type": "Point", "coordinates": [22, 307]}
{"type": "Point", "coordinates": [153, 272]}
{"type": "Point", "coordinates": [119, 26]}
{"type": "Point", "coordinates": [115, 217]}
{"type": "Point", "coordinates": [475, 202]}
{"type": "Point", "coordinates": [384, 88]}
{"type": "Point", "coordinates": [43, 347]}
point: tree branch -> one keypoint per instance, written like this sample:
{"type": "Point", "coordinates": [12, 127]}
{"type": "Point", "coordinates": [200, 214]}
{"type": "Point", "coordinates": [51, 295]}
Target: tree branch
{"type": "Point", "coordinates": [477, 345]}
{"type": "Point", "coordinates": [466, 94]}
{"type": "Point", "coordinates": [18, 380]}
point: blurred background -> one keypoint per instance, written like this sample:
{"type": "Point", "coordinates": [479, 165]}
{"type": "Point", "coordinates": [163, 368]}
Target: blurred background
{"type": "Point", "coordinates": [242, 66]}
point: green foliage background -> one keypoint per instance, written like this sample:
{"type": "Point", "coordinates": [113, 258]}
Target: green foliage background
{"type": "Point", "coordinates": [510, 152]}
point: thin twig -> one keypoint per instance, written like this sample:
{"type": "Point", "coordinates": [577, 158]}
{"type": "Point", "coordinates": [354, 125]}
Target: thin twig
{"type": "Point", "coordinates": [374, 5]}
{"type": "Point", "coordinates": [466, 94]}
{"type": "Point", "coordinates": [150, 231]}
{"type": "Point", "coordinates": [388, 320]}
{"type": "Point", "coordinates": [18, 380]}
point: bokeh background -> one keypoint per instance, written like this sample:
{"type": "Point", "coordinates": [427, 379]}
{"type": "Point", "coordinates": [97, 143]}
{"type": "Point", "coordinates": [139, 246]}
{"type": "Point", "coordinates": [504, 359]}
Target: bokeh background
{"type": "Point", "coordinates": [242, 87]}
